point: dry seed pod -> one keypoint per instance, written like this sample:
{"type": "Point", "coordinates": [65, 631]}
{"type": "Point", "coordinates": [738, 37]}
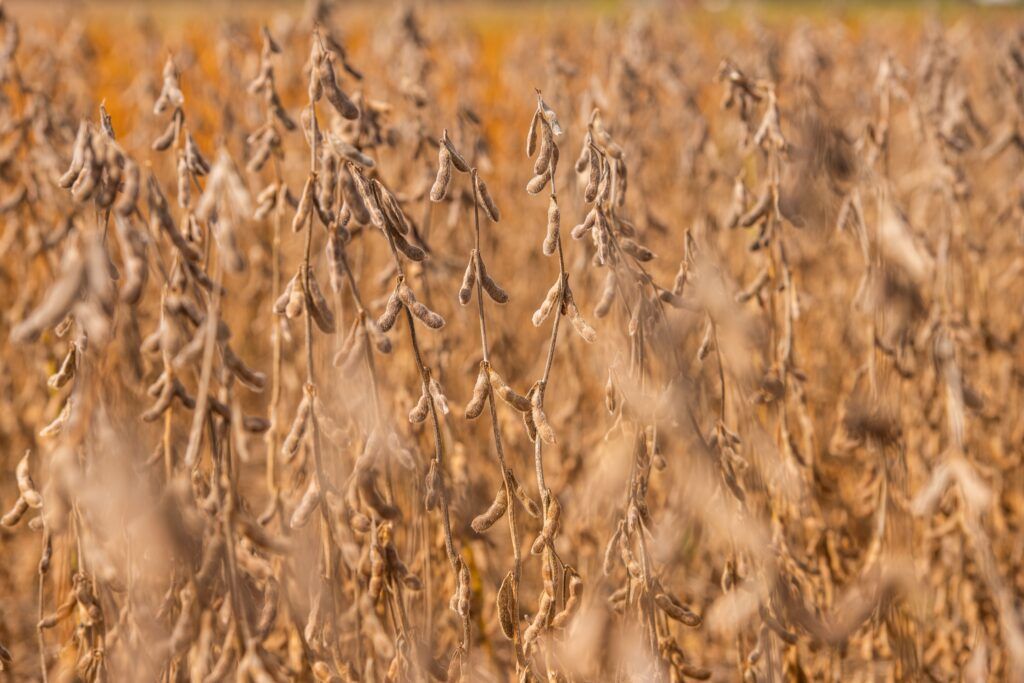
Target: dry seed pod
{"type": "Point", "coordinates": [380, 340]}
{"type": "Point", "coordinates": [77, 156]}
{"type": "Point", "coordinates": [608, 566]}
{"type": "Point", "coordinates": [197, 163]}
{"type": "Point", "coordinates": [424, 314]}
{"type": "Point", "coordinates": [372, 498]}
{"type": "Point", "coordinates": [490, 208]}
{"type": "Point", "coordinates": [676, 610]}
{"type": "Point", "coordinates": [335, 250]}
{"type": "Point", "coordinates": [607, 296]}
{"type": "Point", "coordinates": [531, 135]}
{"type": "Point", "coordinates": [393, 208]}
{"type": "Point", "coordinates": [505, 392]}
{"type": "Point", "coordinates": [305, 208]}
{"type": "Point", "coordinates": [549, 115]}
{"type": "Point", "coordinates": [438, 395]}
{"type": "Point", "coordinates": [281, 305]}
{"type": "Point", "coordinates": [129, 197]}
{"type": "Point", "coordinates": [411, 251]}
{"type": "Point", "coordinates": [531, 428]}
{"type": "Point", "coordinates": [583, 160]}
{"type": "Point", "coordinates": [457, 160]}
{"type": "Point", "coordinates": [540, 419]}
{"type": "Point", "coordinates": [133, 249]}
{"type": "Point", "coordinates": [572, 603]}
{"type": "Point", "coordinates": [306, 506]}
{"type": "Point", "coordinates": [480, 391]}
{"type": "Point", "coordinates": [291, 443]}
{"type": "Point", "coordinates": [318, 307]}
{"type": "Point", "coordinates": [594, 179]}
{"type": "Point", "coordinates": [506, 606]}
{"type": "Point", "coordinates": [533, 630]}
{"type": "Point", "coordinates": [554, 219]}
{"type": "Point", "coordinates": [351, 349]}
{"type": "Point", "coordinates": [338, 99]}
{"type": "Point", "coordinates": [496, 511]}
{"type": "Point", "coordinates": [296, 299]}
{"type": "Point", "coordinates": [25, 484]}
{"type": "Point", "coordinates": [538, 182]}
{"type": "Point", "coordinates": [439, 189]}
{"type": "Point", "coordinates": [552, 520]}
{"type": "Point", "coordinates": [542, 313]}
{"type": "Point", "coordinates": [14, 515]}
{"type": "Point", "coordinates": [497, 294]}
{"type": "Point", "coordinates": [427, 316]}
{"type": "Point", "coordinates": [758, 211]}
{"type": "Point", "coordinates": [468, 280]}
{"type": "Point", "coordinates": [349, 152]}
{"type": "Point", "coordinates": [637, 251]}
{"type": "Point", "coordinates": [547, 147]}
{"type": "Point", "coordinates": [522, 496]}
{"type": "Point", "coordinates": [387, 319]}
{"type": "Point", "coordinates": [754, 288]}
{"type": "Point", "coordinates": [579, 323]}
{"type": "Point", "coordinates": [167, 137]}
{"type": "Point", "coordinates": [463, 593]}
{"type": "Point", "coordinates": [433, 485]}
{"type": "Point", "coordinates": [421, 409]}
{"type": "Point", "coordinates": [59, 299]}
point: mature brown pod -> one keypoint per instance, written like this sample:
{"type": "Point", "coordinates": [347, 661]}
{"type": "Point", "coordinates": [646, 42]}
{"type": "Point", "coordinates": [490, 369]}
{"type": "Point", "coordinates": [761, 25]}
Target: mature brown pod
{"type": "Point", "coordinates": [433, 486]}
{"type": "Point", "coordinates": [505, 392]}
{"type": "Point", "coordinates": [318, 306]}
{"type": "Point", "coordinates": [554, 221]}
{"type": "Point", "coordinates": [281, 303]}
{"type": "Point", "coordinates": [531, 135]}
{"type": "Point", "coordinates": [14, 515]}
{"type": "Point", "coordinates": [490, 208]}
{"type": "Point", "coordinates": [607, 296]}
{"type": "Point", "coordinates": [129, 197]}
{"type": "Point", "coordinates": [572, 603]}
{"type": "Point", "coordinates": [457, 160]}
{"type": "Point", "coordinates": [304, 511]}
{"type": "Point", "coordinates": [293, 440]}
{"type": "Point", "coordinates": [305, 206]}
{"type": "Point", "coordinates": [547, 147]}
{"type": "Point", "coordinates": [411, 251]}
{"type": "Point", "coordinates": [468, 280]}
{"type": "Point", "coordinates": [677, 610]}
{"type": "Point", "coordinates": [497, 294]}
{"type": "Point", "coordinates": [439, 190]}
{"type": "Point", "coordinates": [538, 182]}
{"type": "Point", "coordinates": [440, 400]}
{"type": "Point", "coordinates": [421, 312]}
{"type": "Point", "coordinates": [542, 313]}
{"type": "Point", "coordinates": [338, 99]}
{"type": "Point", "coordinates": [506, 606]}
{"type": "Point", "coordinates": [296, 299]}
{"type": "Point", "coordinates": [496, 511]}
{"type": "Point", "coordinates": [540, 419]}
{"type": "Point", "coordinates": [480, 391]}
{"type": "Point", "coordinates": [387, 319]}
{"type": "Point", "coordinates": [552, 520]}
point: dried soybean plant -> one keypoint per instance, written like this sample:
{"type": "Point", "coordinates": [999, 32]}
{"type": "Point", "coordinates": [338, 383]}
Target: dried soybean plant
{"type": "Point", "coordinates": [562, 584]}
{"type": "Point", "coordinates": [796, 460]}
{"type": "Point", "coordinates": [631, 397]}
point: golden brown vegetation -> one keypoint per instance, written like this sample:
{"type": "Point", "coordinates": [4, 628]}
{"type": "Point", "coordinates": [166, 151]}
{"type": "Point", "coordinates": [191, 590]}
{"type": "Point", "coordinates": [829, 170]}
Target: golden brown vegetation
{"type": "Point", "coordinates": [273, 408]}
